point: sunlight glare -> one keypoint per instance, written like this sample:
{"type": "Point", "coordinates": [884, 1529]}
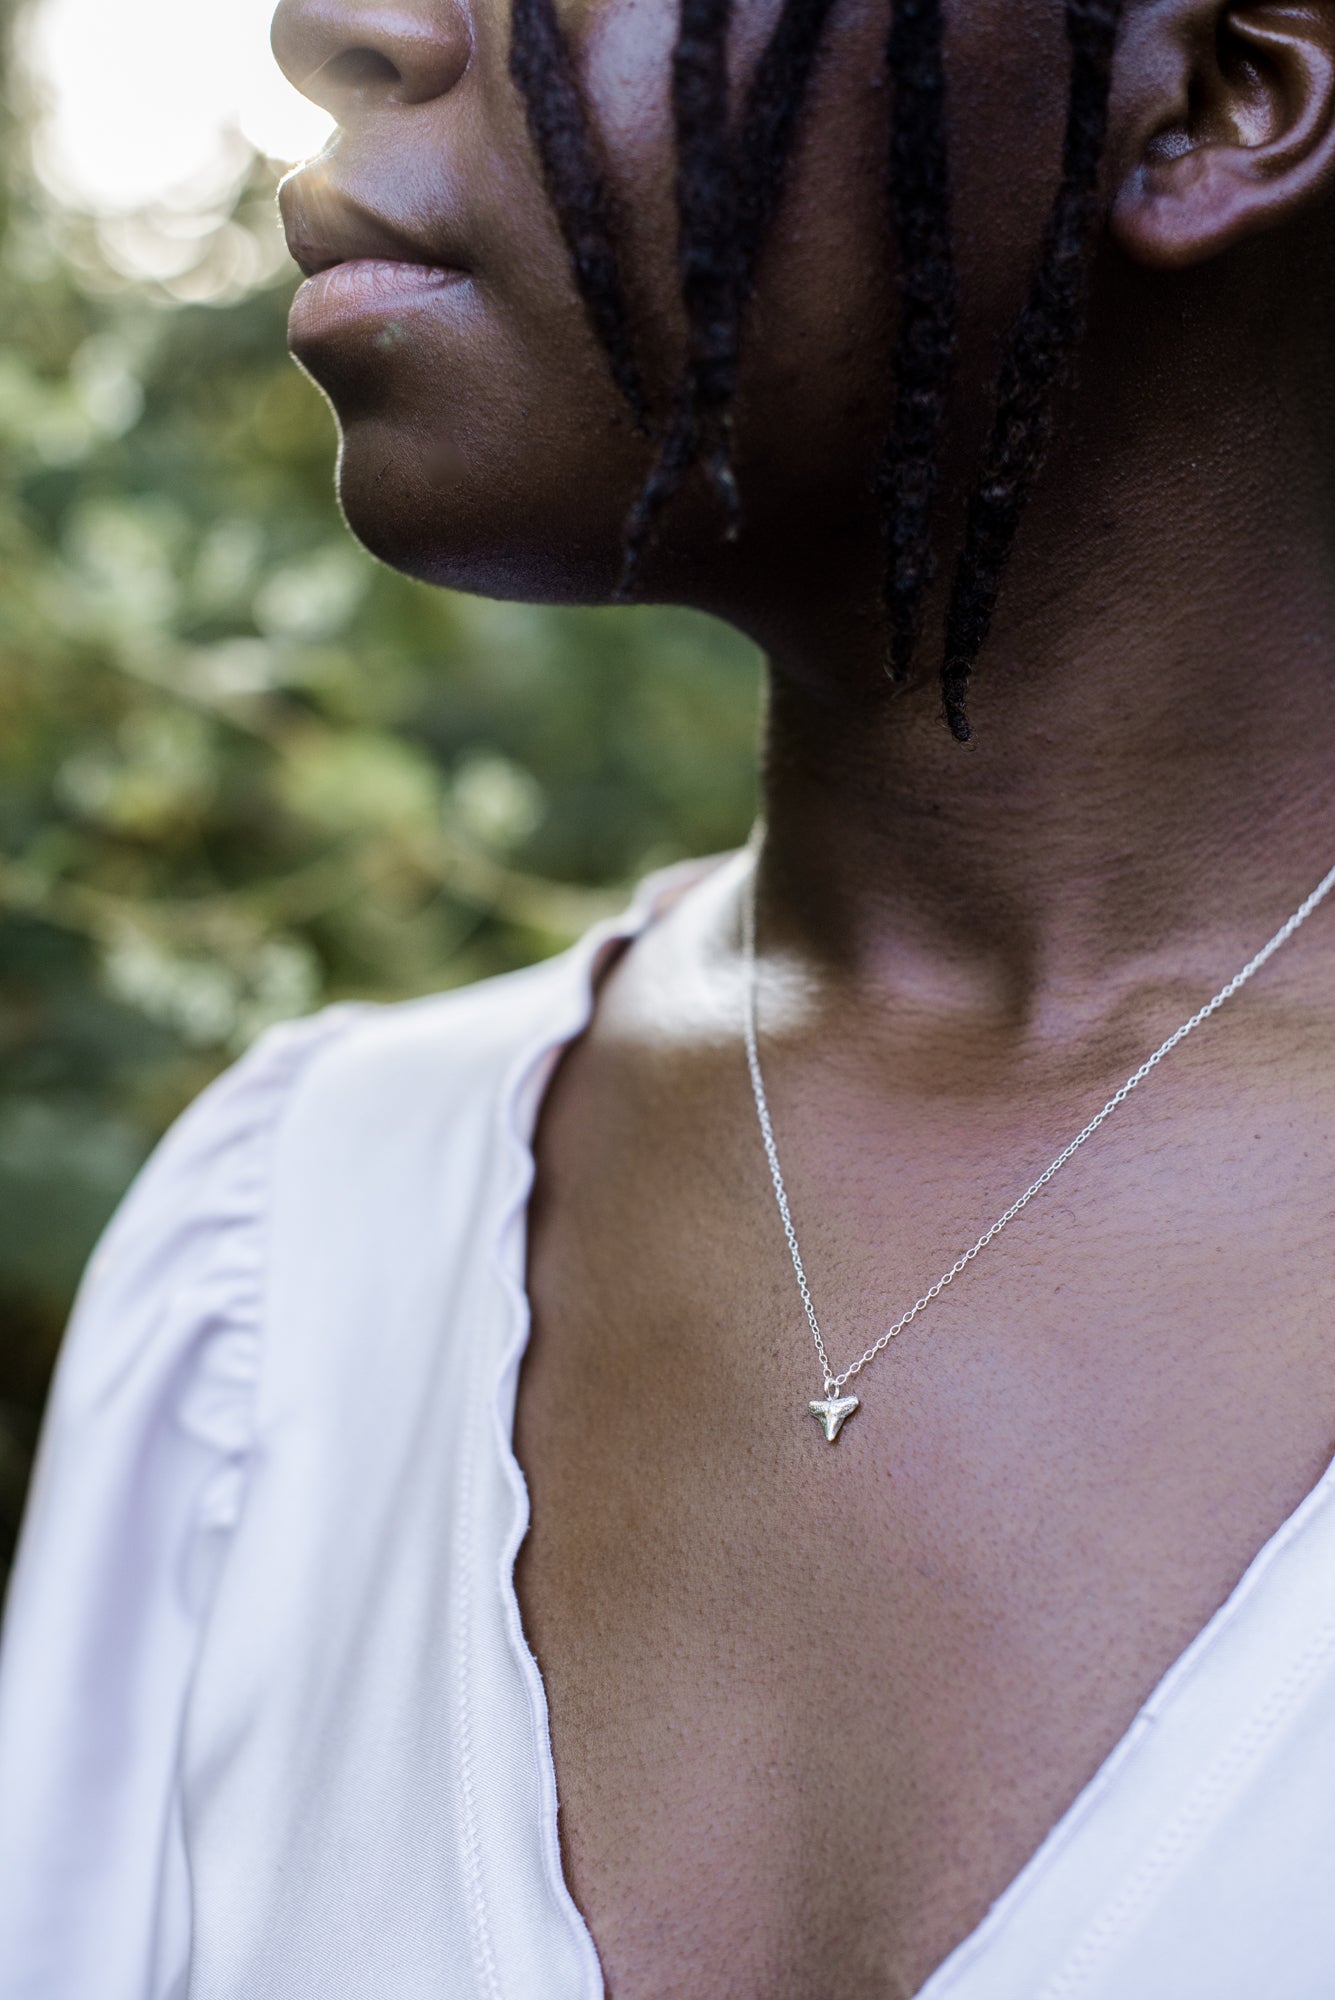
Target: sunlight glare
{"type": "Point", "coordinates": [146, 98]}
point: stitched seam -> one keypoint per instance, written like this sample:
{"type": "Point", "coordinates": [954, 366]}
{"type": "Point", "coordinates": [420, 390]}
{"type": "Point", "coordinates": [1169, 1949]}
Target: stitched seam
{"type": "Point", "coordinates": [1176, 1837]}
{"type": "Point", "coordinates": [479, 1926]}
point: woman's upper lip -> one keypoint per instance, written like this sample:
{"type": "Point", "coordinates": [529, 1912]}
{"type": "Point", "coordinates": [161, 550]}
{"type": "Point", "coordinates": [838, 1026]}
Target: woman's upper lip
{"type": "Point", "coordinates": [336, 230]}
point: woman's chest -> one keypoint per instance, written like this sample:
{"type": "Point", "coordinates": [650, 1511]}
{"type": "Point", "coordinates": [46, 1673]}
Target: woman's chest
{"type": "Point", "coordinates": [815, 1707]}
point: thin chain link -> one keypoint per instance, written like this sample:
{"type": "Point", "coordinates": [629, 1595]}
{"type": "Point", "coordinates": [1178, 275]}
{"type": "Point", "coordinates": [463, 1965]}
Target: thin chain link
{"type": "Point", "coordinates": [834, 1383]}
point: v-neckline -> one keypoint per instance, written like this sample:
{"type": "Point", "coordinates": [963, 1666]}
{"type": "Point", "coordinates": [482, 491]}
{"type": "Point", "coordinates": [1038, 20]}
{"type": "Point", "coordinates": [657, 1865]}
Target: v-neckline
{"type": "Point", "coordinates": [955, 1977]}
{"type": "Point", "coordinates": [951, 1979]}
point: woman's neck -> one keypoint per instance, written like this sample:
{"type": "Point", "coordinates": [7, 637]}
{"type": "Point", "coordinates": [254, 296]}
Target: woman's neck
{"type": "Point", "coordinates": [1153, 770]}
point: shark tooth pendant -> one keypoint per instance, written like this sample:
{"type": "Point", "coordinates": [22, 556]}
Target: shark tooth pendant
{"type": "Point", "coordinates": [833, 1414]}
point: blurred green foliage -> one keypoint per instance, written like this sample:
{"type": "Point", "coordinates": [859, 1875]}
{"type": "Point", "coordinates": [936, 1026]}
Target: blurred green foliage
{"type": "Point", "coordinates": [244, 770]}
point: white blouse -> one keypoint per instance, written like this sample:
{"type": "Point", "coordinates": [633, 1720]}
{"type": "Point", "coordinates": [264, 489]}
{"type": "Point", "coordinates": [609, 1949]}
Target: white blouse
{"type": "Point", "coordinates": [269, 1727]}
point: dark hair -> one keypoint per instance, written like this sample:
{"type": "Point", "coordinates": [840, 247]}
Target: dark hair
{"type": "Point", "coordinates": [541, 67]}
{"type": "Point", "coordinates": [1039, 359]}
{"type": "Point", "coordinates": [727, 194]}
{"type": "Point", "coordinates": [924, 364]}
{"type": "Point", "coordinates": [728, 189]}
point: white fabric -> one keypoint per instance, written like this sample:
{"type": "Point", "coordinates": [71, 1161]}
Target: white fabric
{"type": "Point", "coordinates": [269, 1729]}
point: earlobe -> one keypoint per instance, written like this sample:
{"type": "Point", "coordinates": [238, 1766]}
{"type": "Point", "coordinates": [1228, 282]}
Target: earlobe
{"type": "Point", "coordinates": [1232, 112]}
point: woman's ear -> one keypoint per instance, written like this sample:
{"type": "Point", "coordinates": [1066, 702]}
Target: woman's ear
{"type": "Point", "coordinates": [1228, 123]}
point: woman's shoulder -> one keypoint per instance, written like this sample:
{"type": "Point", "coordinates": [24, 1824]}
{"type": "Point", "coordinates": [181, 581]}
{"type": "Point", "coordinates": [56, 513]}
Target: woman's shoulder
{"type": "Point", "coordinates": [337, 1197]}
{"type": "Point", "coordinates": [349, 1135]}
{"type": "Point", "coordinates": [149, 1449]}
{"type": "Point", "coordinates": [364, 1089]}
{"type": "Point", "coordinates": [356, 1081]}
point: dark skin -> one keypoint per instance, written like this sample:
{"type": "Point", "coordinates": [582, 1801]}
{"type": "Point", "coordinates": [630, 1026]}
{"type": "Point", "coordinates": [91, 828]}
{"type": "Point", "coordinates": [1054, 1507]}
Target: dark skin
{"type": "Point", "coordinates": [814, 1709]}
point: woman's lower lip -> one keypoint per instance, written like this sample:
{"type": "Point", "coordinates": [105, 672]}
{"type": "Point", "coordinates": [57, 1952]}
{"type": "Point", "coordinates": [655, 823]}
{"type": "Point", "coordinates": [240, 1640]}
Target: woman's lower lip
{"type": "Point", "coordinates": [365, 287]}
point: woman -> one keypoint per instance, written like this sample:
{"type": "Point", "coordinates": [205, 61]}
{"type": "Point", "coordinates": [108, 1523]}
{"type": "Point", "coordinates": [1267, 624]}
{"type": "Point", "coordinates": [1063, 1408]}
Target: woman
{"type": "Point", "coordinates": [1025, 1684]}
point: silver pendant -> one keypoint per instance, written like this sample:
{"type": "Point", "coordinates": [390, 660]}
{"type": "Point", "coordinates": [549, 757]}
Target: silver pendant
{"type": "Point", "coordinates": [833, 1414]}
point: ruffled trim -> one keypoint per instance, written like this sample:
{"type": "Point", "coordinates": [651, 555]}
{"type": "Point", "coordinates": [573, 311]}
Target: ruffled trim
{"type": "Point", "coordinates": [215, 1317]}
{"type": "Point", "coordinates": [520, 1107]}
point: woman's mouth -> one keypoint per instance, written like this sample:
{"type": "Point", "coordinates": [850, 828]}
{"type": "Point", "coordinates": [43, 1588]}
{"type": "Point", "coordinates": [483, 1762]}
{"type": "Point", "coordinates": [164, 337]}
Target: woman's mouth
{"type": "Point", "coordinates": [363, 288]}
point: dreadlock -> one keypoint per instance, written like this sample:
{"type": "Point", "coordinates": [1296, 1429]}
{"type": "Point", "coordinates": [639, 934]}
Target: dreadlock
{"type": "Point", "coordinates": [924, 364]}
{"type": "Point", "coordinates": [769, 128]}
{"type": "Point", "coordinates": [541, 67]}
{"type": "Point", "coordinates": [726, 205]}
{"type": "Point", "coordinates": [1038, 360]}
{"type": "Point", "coordinates": [726, 199]}
{"type": "Point", "coordinates": [727, 196]}
{"type": "Point", "coordinates": [700, 427]}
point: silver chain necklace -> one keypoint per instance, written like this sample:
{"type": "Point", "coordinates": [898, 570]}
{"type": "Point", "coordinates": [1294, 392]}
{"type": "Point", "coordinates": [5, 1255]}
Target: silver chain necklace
{"type": "Point", "coordinates": [834, 1409]}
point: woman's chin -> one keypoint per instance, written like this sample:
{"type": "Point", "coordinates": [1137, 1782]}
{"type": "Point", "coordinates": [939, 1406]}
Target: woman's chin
{"type": "Point", "coordinates": [418, 506]}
